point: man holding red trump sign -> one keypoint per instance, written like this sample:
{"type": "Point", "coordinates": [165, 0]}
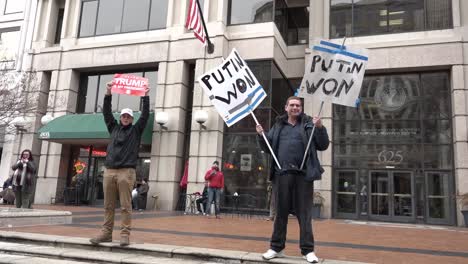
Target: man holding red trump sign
{"type": "Point", "coordinates": [121, 161]}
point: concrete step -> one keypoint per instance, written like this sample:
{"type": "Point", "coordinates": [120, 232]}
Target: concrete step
{"type": "Point", "coordinates": [21, 259]}
{"type": "Point", "coordinates": [30, 253]}
{"type": "Point", "coordinates": [80, 249]}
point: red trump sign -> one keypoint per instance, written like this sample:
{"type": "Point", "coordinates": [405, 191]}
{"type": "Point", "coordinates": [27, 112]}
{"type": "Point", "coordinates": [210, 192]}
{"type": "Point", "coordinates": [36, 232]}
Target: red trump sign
{"type": "Point", "coordinates": [129, 84]}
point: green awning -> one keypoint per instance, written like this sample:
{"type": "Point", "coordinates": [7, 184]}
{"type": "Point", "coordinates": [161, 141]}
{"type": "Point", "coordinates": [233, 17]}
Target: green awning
{"type": "Point", "coordinates": [86, 129]}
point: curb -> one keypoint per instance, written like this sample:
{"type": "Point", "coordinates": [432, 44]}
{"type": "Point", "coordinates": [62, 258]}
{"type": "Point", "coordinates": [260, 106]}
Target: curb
{"type": "Point", "coordinates": [154, 250]}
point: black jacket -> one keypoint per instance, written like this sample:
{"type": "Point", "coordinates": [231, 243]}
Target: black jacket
{"type": "Point", "coordinates": [312, 171]}
{"type": "Point", "coordinates": [122, 151]}
{"type": "Point", "coordinates": [30, 172]}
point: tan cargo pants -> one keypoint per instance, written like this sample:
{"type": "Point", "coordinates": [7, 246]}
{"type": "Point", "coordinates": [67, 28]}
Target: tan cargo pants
{"type": "Point", "coordinates": [118, 183]}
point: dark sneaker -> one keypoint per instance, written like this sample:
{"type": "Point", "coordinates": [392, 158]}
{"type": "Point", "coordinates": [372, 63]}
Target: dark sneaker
{"type": "Point", "coordinates": [101, 239]}
{"type": "Point", "coordinates": [124, 240]}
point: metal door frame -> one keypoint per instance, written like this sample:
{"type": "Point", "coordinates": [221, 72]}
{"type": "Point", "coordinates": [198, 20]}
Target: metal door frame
{"type": "Point", "coordinates": [391, 196]}
{"type": "Point", "coordinates": [336, 193]}
{"type": "Point", "coordinates": [450, 220]}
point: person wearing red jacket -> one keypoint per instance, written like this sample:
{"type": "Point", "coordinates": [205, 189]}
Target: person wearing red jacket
{"type": "Point", "coordinates": [215, 180]}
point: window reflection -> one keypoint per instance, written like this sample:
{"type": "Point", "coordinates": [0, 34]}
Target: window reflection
{"type": "Point", "coordinates": [373, 17]}
{"type": "Point", "coordinates": [9, 40]}
{"type": "Point", "coordinates": [14, 6]}
{"type": "Point", "coordinates": [101, 17]}
{"type": "Point", "coordinates": [135, 15]}
{"type": "Point", "coordinates": [88, 18]}
{"type": "Point", "coordinates": [109, 16]}
{"type": "Point", "coordinates": [250, 11]}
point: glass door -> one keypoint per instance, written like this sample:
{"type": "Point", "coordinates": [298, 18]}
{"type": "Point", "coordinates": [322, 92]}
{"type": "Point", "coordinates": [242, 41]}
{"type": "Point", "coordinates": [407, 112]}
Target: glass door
{"type": "Point", "coordinates": [403, 195]}
{"type": "Point", "coordinates": [392, 196]}
{"type": "Point", "coordinates": [437, 198]}
{"type": "Point", "coordinates": [379, 194]}
{"type": "Point", "coordinates": [97, 183]}
{"type": "Point", "coordinates": [346, 193]}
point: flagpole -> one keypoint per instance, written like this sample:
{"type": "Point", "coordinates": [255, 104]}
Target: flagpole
{"type": "Point", "coordinates": [210, 45]}
{"type": "Point", "coordinates": [266, 140]}
{"type": "Point", "coordinates": [310, 139]}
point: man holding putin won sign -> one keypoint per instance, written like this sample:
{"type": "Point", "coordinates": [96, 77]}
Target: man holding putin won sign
{"type": "Point", "coordinates": [295, 186]}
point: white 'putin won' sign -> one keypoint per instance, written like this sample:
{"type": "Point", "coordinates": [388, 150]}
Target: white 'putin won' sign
{"type": "Point", "coordinates": [334, 73]}
{"type": "Point", "coordinates": [232, 88]}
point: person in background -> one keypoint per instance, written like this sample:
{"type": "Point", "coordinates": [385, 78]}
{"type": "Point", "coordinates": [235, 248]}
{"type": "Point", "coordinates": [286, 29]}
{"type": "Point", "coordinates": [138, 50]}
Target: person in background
{"type": "Point", "coordinates": [23, 179]}
{"type": "Point", "coordinates": [215, 180]}
{"type": "Point", "coordinates": [201, 202]}
{"type": "Point", "coordinates": [142, 195]}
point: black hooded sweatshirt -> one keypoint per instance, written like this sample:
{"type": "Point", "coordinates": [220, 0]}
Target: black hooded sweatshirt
{"type": "Point", "coordinates": [122, 151]}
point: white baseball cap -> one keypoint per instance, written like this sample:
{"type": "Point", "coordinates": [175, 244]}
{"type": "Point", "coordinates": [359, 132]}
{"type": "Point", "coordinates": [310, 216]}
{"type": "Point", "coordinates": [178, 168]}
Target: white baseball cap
{"type": "Point", "coordinates": [127, 111]}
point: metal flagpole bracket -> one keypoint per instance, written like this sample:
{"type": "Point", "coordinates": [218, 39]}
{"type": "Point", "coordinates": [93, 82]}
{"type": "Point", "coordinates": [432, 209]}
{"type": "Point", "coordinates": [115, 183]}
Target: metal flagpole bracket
{"type": "Point", "coordinates": [210, 46]}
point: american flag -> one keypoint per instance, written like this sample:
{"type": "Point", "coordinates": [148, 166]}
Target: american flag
{"type": "Point", "coordinates": [194, 21]}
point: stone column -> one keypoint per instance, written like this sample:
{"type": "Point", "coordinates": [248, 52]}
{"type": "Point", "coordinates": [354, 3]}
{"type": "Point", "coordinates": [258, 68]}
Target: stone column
{"type": "Point", "coordinates": [54, 160]}
{"type": "Point", "coordinates": [318, 30]}
{"type": "Point", "coordinates": [206, 142]}
{"type": "Point", "coordinates": [167, 162]}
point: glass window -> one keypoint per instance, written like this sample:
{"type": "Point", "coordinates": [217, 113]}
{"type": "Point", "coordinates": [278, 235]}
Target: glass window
{"type": "Point", "coordinates": [8, 44]}
{"type": "Point", "coordinates": [373, 17]}
{"type": "Point", "coordinates": [135, 15]}
{"type": "Point", "coordinates": [109, 17]}
{"type": "Point", "coordinates": [153, 80]}
{"type": "Point", "coordinates": [245, 167]}
{"type": "Point", "coordinates": [92, 92]}
{"type": "Point", "coordinates": [101, 17]}
{"type": "Point", "coordinates": [262, 70]}
{"type": "Point", "coordinates": [292, 22]}
{"type": "Point", "coordinates": [437, 95]}
{"type": "Point", "coordinates": [88, 18]}
{"type": "Point", "coordinates": [250, 11]}
{"type": "Point", "coordinates": [158, 14]}
{"type": "Point", "coordinates": [341, 18]}
{"type": "Point", "coordinates": [14, 6]}
{"type": "Point", "coordinates": [281, 90]}
{"type": "Point", "coordinates": [58, 28]}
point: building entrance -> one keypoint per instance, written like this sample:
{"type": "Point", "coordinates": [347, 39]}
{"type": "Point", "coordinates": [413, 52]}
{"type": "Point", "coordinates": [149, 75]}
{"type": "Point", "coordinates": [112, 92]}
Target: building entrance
{"type": "Point", "coordinates": [393, 153]}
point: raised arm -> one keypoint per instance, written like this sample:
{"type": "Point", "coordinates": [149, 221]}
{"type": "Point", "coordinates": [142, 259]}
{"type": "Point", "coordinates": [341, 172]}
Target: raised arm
{"type": "Point", "coordinates": [143, 120]}
{"type": "Point", "coordinates": [107, 109]}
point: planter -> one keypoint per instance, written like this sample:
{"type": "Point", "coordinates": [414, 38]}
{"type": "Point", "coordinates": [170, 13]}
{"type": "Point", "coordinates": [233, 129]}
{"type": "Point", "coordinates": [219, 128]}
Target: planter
{"type": "Point", "coordinates": [465, 215]}
{"type": "Point", "coordinates": [316, 209]}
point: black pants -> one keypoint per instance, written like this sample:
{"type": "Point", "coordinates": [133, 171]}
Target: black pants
{"type": "Point", "coordinates": [294, 194]}
{"type": "Point", "coordinates": [22, 197]}
{"type": "Point", "coordinates": [200, 202]}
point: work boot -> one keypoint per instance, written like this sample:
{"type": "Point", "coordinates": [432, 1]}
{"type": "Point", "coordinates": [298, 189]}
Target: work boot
{"type": "Point", "coordinates": [101, 239]}
{"type": "Point", "coordinates": [124, 240]}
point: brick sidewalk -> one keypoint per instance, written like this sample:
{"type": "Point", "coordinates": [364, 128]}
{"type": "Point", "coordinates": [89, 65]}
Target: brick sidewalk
{"type": "Point", "coordinates": [335, 239]}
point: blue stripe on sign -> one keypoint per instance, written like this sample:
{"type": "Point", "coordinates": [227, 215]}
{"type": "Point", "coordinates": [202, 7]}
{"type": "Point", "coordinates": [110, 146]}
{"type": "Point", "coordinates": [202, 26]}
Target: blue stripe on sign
{"type": "Point", "coordinates": [331, 44]}
{"type": "Point", "coordinates": [343, 52]}
{"type": "Point", "coordinates": [250, 107]}
{"type": "Point", "coordinates": [255, 91]}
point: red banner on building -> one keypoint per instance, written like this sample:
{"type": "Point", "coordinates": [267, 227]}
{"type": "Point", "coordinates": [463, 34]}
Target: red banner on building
{"type": "Point", "coordinates": [129, 84]}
